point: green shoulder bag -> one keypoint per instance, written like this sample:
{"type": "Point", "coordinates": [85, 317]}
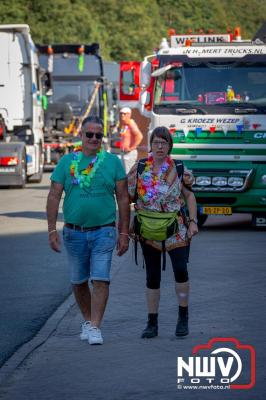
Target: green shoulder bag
{"type": "Point", "coordinates": [154, 225]}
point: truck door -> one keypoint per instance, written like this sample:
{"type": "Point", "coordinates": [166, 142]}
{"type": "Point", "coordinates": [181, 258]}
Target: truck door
{"type": "Point", "coordinates": [37, 99]}
{"type": "Point", "coordinates": [129, 83]}
{"type": "Point", "coordinates": [129, 96]}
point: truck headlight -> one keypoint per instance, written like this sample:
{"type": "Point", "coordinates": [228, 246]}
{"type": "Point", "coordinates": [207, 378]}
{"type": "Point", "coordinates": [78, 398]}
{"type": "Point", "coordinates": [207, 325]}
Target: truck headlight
{"type": "Point", "coordinates": [203, 180]}
{"type": "Point", "coordinates": [219, 181]}
{"type": "Point", "coordinates": [263, 179]}
{"type": "Point", "coordinates": [235, 181]}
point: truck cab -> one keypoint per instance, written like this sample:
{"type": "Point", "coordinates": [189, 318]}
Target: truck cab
{"type": "Point", "coordinates": [21, 113]}
{"type": "Point", "coordinates": [75, 75]}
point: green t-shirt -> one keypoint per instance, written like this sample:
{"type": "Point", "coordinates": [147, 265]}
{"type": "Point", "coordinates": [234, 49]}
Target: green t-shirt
{"type": "Point", "coordinates": [95, 205]}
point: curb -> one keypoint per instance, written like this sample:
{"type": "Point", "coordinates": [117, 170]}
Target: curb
{"type": "Point", "coordinates": [17, 359]}
{"type": "Point", "coordinates": [50, 326]}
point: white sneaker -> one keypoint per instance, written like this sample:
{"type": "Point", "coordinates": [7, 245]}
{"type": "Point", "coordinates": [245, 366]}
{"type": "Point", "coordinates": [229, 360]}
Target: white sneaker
{"type": "Point", "coordinates": [95, 335]}
{"type": "Point", "coordinates": [85, 328]}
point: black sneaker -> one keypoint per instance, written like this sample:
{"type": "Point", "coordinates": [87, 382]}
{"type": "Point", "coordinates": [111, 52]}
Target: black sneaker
{"type": "Point", "coordinates": [182, 327]}
{"type": "Point", "coordinates": [150, 331]}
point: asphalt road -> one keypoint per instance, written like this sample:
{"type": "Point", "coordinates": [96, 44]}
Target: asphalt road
{"type": "Point", "coordinates": [33, 280]}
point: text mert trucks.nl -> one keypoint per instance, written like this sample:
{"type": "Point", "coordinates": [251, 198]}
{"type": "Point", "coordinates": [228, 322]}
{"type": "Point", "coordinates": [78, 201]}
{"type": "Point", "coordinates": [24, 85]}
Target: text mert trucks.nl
{"type": "Point", "coordinates": [210, 91]}
{"type": "Point", "coordinates": [21, 115]}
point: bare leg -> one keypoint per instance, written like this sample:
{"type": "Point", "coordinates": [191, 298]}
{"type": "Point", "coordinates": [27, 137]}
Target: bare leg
{"type": "Point", "coordinates": [153, 299]}
{"type": "Point", "coordinates": [83, 298]}
{"type": "Point", "coordinates": [182, 293]}
{"type": "Point", "coordinates": [99, 297]}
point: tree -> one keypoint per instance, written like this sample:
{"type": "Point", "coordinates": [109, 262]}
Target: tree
{"type": "Point", "coordinates": [131, 29]}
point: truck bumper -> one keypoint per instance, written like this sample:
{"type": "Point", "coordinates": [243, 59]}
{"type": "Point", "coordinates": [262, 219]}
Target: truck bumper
{"type": "Point", "coordinates": [11, 174]}
{"type": "Point", "coordinates": [10, 178]}
{"type": "Point", "coordinates": [251, 201]}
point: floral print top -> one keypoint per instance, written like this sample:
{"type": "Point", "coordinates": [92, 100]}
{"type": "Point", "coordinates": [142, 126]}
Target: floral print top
{"type": "Point", "coordinates": [168, 199]}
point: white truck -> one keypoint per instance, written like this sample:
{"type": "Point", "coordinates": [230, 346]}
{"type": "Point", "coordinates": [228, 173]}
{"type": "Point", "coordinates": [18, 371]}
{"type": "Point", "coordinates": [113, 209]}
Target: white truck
{"type": "Point", "coordinates": [21, 113]}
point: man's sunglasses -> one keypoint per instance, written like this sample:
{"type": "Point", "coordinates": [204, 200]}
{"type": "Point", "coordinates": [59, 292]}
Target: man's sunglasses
{"type": "Point", "coordinates": [90, 135]}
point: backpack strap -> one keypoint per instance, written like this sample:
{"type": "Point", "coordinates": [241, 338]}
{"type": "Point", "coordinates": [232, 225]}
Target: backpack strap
{"type": "Point", "coordinates": [136, 251]}
{"type": "Point", "coordinates": [179, 168]}
{"type": "Point", "coordinates": [141, 166]}
{"type": "Point", "coordinates": [164, 255]}
{"type": "Point", "coordinates": [140, 169]}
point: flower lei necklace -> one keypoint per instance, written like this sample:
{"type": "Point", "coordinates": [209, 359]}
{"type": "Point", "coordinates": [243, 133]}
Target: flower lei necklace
{"type": "Point", "coordinates": [149, 183]}
{"type": "Point", "coordinates": [84, 177]}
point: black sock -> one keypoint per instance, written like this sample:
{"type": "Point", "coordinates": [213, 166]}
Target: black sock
{"type": "Point", "coordinates": [183, 312]}
{"type": "Point", "coordinates": [153, 318]}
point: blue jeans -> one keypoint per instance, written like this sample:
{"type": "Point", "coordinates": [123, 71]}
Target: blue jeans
{"type": "Point", "coordinates": [90, 253]}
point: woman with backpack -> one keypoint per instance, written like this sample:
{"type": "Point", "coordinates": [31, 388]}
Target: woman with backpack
{"type": "Point", "coordinates": [158, 189]}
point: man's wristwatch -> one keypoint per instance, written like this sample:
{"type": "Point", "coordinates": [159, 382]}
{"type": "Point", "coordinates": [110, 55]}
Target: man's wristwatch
{"type": "Point", "coordinates": [193, 220]}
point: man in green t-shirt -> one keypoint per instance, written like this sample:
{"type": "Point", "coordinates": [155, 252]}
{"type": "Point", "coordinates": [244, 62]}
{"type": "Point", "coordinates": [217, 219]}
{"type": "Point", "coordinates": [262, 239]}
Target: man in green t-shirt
{"type": "Point", "coordinates": [92, 179]}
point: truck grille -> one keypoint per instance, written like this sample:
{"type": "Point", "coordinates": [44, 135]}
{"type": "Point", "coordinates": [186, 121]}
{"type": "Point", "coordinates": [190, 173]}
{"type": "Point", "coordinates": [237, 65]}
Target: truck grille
{"type": "Point", "coordinates": [216, 200]}
{"type": "Point", "coordinates": [221, 181]}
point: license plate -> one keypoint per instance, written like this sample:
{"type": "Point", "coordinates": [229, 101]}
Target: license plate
{"type": "Point", "coordinates": [7, 170]}
{"type": "Point", "coordinates": [216, 210]}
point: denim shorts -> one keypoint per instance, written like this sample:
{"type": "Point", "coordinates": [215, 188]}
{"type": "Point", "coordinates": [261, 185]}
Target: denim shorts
{"type": "Point", "coordinates": [90, 253]}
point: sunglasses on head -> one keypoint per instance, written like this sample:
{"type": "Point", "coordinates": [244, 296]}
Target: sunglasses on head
{"type": "Point", "coordinates": [90, 135]}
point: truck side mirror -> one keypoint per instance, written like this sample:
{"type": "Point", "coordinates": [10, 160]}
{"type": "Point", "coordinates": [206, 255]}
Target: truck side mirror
{"type": "Point", "coordinates": [47, 82]}
{"type": "Point", "coordinates": [145, 98]}
{"type": "Point", "coordinates": [114, 95]}
{"type": "Point", "coordinates": [160, 71]}
{"type": "Point", "coordinates": [145, 77]}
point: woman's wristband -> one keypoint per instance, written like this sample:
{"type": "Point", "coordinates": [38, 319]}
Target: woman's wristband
{"type": "Point", "coordinates": [54, 230]}
{"type": "Point", "coordinates": [124, 234]}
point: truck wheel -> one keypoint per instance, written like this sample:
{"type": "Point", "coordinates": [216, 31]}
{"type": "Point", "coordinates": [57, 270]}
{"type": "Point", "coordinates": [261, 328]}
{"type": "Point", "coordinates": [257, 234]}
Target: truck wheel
{"type": "Point", "coordinates": [202, 218]}
{"type": "Point", "coordinates": [37, 178]}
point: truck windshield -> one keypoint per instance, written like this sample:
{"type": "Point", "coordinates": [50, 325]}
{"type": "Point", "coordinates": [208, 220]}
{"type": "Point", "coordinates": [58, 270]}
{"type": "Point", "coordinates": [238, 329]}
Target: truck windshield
{"type": "Point", "coordinates": [75, 93]}
{"type": "Point", "coordinates": [71, 85]}
{"type": "Point", "coordinates": [67, 65]}
{"type": "Point", "coordinates": [211, 83]}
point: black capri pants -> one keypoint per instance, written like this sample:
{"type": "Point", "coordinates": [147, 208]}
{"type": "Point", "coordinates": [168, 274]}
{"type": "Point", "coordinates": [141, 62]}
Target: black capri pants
{"type": "Point", "coordinates": [152, 257]}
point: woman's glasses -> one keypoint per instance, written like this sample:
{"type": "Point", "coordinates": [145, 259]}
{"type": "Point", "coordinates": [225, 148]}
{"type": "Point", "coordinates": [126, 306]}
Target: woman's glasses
{"type": "Point", "coordinates": [158, 143]}
{"type": "Point", "coordinates": [90, 135]}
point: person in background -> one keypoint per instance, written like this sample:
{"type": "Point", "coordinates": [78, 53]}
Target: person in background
{"type": "Point", "coordinates": [91, 179]}
{"type": "Point", "coordinates": [129, 138]}
{"type": "Point", "coordinates": [161, 189]}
